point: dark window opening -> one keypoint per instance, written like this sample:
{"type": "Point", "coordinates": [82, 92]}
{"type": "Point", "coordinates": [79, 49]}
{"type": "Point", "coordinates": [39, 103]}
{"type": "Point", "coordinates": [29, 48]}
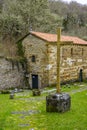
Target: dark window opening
{"type": "Point", "coordinates": [71, 51]}
{"type": "Point", "coordinates": [33, 58]}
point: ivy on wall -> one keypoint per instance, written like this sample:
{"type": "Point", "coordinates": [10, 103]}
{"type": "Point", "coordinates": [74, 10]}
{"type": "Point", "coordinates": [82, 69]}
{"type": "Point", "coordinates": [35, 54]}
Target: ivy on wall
{"type": "Point", "coordinates": [20, 51]}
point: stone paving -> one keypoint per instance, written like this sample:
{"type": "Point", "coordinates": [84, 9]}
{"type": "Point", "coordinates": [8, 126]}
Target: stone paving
{"type": "Point", "coordinates": [23, 114]}
{"type": "Point", "coordinates": [80, 90]}
{"type": "Point", "coordinates": [47, 91]}
{"type": "Point", "coordinates": [30, 112]}
{"type": "Point", "coordinates": [52, 90]}
{"type": "Point", "coordinates": [72, 92]}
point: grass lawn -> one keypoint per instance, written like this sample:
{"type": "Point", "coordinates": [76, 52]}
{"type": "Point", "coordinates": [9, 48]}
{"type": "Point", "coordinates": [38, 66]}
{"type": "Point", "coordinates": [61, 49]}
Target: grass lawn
{"type": "Point", "coordinates": [26, 112]}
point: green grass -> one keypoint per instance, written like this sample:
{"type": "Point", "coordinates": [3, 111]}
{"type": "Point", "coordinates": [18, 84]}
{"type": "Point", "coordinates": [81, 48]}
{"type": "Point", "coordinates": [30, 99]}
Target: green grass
{"type": "Point", "coordinates": [16, 114]}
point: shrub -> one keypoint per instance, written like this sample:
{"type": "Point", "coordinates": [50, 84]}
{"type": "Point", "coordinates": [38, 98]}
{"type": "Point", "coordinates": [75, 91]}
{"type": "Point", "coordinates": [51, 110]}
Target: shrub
{"type": "Point", "coordinates": [5, 91]}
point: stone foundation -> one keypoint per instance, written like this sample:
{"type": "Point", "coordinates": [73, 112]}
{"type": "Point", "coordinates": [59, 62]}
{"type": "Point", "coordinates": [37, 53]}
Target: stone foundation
{"type": "Point", "coordinates": [59, 102]}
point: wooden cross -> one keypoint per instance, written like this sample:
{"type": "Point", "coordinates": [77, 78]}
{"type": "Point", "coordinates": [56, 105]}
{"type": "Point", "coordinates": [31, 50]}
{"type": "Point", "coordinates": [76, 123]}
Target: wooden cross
{"type": "Point", "coordinates": [58, 59]}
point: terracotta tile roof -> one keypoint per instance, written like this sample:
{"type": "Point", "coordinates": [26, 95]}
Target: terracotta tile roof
{"type": "Point", "coordinates": [53, 38]}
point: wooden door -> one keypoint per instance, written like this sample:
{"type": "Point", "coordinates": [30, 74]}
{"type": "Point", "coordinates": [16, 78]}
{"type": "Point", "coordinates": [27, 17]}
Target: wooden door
{"type": "Point", "coordinates": [34, 81]}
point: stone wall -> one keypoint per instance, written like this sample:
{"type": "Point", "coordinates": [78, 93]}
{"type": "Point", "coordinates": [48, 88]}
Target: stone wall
{"type": "Point", "coordinates": [38, 48]}
{"type": "Point", "coordinates": [10, 77]}
{"type": "Point", "coordinates": [73, 58]}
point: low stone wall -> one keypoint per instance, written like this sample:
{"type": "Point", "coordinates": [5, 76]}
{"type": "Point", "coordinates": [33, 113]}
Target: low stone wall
{"type": "Point", "coordinates": [10, 77]}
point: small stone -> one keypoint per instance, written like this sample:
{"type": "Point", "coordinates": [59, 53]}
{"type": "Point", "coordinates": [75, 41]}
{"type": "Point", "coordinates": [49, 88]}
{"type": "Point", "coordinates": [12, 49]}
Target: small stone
{"type": "Point", "coordinates": [23, 125]}
{"type": "Point", "coordinates": [36, 92]}
{"type": "Point", "coordinates": [12, 95]}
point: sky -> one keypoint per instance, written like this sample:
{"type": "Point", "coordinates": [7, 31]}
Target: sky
{"type": "Point", "coordinates": [79, 1]}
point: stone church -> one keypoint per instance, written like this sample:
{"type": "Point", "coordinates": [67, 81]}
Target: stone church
{"type": "Point", "coordinates": [41, 53]}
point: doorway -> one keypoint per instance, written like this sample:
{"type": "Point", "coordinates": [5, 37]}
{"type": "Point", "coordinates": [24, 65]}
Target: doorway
{"type": "Point", "coordinates": [81, 75]}
{"type": "Point", "coordinates": [34, 81]}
